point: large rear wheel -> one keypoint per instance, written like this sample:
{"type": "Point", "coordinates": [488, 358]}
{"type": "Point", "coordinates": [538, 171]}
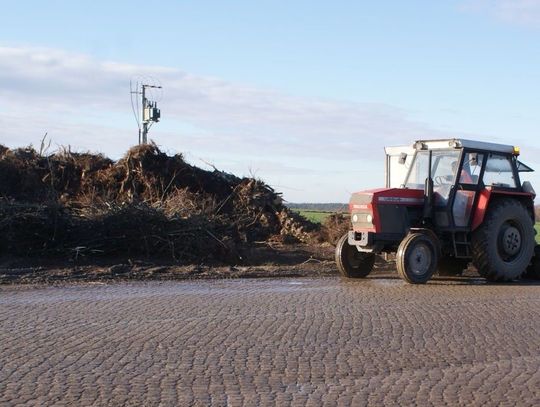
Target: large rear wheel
{"type": "Point", "coordinates": [417, 258]}
{"type": "Point", "coordinates": [502, 248]}
{"type": "Point", "coordinates": [350, 262]}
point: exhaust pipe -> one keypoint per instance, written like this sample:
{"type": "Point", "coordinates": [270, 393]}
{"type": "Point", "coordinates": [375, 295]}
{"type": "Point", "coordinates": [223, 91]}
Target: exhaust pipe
{"type": "Point", "coordinates": [428, 194]}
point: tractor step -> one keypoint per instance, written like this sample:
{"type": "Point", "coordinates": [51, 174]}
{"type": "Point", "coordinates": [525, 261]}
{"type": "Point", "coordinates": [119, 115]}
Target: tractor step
{"type": "Point", "coordinates": [462, 244]}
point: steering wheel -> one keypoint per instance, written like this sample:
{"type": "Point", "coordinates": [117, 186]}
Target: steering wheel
{"type": "Point", "coordinates": [439, 180]}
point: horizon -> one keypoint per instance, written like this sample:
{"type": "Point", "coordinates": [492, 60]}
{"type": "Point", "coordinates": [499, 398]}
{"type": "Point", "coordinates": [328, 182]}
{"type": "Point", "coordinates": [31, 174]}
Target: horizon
{"type": "Point", "coordinates": [303, 96]}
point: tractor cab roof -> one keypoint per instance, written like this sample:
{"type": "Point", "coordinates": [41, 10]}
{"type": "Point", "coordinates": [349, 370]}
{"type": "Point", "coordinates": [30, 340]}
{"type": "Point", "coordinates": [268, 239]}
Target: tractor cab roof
{"type": "Point", "coordinates": [399, 158]}
{"type": "Point", "coordinates": [456, 143]}
{"type": "Point", "coordinates": [464, 143]}
{"type": "Point", "coordinates": [453, 143]}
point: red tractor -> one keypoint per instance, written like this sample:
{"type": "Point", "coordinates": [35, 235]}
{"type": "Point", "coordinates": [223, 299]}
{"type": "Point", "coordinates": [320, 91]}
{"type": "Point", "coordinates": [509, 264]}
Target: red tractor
{"type": "Point", "coordinates": [446, 203]}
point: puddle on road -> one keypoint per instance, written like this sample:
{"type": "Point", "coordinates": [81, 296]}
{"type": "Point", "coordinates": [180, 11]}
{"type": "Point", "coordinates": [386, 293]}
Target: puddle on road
{"type": "Point", "coordinates": [262, 286]}
{"type": "Point", "coordinates": [136, 290]}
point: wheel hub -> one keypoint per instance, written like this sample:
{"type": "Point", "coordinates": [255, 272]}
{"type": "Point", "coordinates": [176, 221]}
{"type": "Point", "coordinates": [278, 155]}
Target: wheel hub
{"type": "Point", "coordinates": [420, 259]}
{"type": "Point", "coordinates": [511, 241]}
{"type": "Point", "coordinates": [354, 257]}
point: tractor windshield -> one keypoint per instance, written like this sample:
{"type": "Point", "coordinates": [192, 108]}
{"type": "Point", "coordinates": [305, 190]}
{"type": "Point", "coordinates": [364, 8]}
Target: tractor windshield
{"type": "Point", "coordinates": [443, 172]}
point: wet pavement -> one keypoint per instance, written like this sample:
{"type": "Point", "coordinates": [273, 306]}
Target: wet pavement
{"type": "Point", "coordinates": [322, 341]}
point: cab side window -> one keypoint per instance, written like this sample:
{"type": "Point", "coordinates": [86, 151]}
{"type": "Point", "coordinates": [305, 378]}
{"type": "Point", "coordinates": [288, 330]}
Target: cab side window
{"type": "Point", "coordinates": [499, 171]}
{"type": "Point", "coordinates": [472, 164]}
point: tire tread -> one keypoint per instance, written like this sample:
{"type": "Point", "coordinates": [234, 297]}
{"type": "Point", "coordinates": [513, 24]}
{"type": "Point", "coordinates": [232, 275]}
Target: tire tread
{"type": "Point", "coordinates": [344, 269]}
{"type": "Point", "coordinates": [481, 252]}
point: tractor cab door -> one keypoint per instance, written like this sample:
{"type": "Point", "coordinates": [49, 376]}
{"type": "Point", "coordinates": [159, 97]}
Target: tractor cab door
{"type": "Point", "coordinates": [443, 172]}
{"type": "Point", "coordinates": [466, 189]}
{"type": "Point", "coordinates": [444, 167]}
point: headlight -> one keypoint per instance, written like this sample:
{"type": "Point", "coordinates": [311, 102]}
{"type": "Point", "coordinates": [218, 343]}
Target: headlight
{"type": "Point", "coordinates": [355, 218]}
{"type": "Point", "coordinates": [369, 218]}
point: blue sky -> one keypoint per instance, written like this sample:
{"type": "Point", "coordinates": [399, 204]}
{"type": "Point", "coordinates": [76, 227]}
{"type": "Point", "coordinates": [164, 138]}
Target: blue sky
{"type": "Point", "coordinates": [302, 94]}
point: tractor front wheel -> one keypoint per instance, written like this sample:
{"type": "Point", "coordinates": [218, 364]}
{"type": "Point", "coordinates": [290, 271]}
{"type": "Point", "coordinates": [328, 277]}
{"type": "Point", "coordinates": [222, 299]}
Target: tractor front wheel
{"type": "Point", "coordinates": [503, 246]}
{"type": "Point", "coordinates": [350, 262]}
{"type": "Point", "coordinates": [417, 258]}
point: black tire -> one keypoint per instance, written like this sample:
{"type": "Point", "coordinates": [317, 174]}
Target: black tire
{"type": "Point", "coordinates": [350, 262]}
{"type": "Point", "coordinates": [417, 258]}
{"type": "Point", "coordinates": [450, 266]}
{"type": "Point", "coordinates": [503, 246]}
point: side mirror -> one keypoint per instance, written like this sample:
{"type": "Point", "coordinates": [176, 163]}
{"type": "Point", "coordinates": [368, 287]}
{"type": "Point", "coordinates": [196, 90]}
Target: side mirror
{"type": "Point", "coordinates": [402, 158]}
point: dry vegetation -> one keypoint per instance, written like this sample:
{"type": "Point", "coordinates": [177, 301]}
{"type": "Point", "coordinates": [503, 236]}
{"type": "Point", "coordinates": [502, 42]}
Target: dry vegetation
{"type": "Point", "coordinates": [146, 204]}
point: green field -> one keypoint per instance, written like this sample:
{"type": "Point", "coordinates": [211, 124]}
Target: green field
{"type": "Point", "coordinates": [537, 227]}
{"type": "Point", "coordinates": [314, 216]}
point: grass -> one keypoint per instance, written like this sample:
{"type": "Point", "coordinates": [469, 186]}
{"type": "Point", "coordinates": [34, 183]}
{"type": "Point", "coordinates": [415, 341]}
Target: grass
{"type": "Point", "coordinates": [314, 216]}
{"type": "Point", "coordinates": [537, 227]}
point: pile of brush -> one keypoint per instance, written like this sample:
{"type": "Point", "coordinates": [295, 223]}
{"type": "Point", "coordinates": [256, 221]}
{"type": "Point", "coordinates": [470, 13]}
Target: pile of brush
{"type": "Point", "coordinates": [145, 204]}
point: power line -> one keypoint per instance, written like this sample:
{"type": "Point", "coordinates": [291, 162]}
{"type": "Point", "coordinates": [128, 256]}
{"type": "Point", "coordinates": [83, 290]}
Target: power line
{"type": "Point", "coordinates": [135, 111]}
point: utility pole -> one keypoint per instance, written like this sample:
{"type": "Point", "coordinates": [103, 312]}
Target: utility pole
{"type": "Point", "coordinates": [150, 112]}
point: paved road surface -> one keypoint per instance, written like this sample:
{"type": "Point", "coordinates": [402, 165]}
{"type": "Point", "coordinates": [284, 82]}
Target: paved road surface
{"type": "Point", "coordinates": [271, 342]}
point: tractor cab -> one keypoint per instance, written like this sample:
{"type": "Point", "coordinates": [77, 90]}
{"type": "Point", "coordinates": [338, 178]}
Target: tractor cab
{"type": "Point", "coordinates": [444, 192]}
{"type": "Point", "coordinates": [461, 171]}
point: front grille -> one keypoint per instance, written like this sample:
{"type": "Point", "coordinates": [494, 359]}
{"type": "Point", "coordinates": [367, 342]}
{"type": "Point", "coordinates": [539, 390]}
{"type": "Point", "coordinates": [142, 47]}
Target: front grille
{"type": "Point", "coordinates": [361, 220]}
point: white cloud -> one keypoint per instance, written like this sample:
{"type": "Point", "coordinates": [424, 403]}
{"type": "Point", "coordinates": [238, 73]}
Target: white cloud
{"type": "Point", "coordinates": [85, 103]}
{"type": "Point", "coordinates": [522, 12]}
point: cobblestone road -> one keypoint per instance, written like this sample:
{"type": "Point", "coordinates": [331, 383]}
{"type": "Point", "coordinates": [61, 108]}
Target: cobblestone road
{"type": "Point", "coordinates": [270, 342]}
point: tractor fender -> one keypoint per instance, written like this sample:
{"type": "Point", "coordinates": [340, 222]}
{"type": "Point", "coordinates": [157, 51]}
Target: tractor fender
{"type": "Point", "coordinates": [485, 197]}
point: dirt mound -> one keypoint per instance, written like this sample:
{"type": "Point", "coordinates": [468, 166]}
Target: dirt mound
{"type": "Point", "coordinates": [147, 203]}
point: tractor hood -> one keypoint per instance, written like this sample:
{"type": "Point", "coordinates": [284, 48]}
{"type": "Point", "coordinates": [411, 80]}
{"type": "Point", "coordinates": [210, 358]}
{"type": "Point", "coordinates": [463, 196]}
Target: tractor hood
{"type": "Point", "coordinates": [378, 210]}
{"type": "Point", "coordinates": [396, 196]}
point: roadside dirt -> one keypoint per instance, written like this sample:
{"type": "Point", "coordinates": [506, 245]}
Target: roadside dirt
{"type": "Point", "coordinates": [268, 260]}
{"type": "Point", "coordinates": [265, 260]}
